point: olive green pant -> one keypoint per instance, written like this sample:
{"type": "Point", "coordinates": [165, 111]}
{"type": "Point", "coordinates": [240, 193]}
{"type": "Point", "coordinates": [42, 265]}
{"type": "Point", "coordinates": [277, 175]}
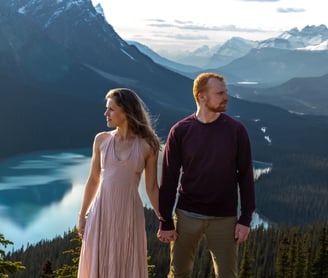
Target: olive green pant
{"type": "Point", "coordinates": [219, 236]}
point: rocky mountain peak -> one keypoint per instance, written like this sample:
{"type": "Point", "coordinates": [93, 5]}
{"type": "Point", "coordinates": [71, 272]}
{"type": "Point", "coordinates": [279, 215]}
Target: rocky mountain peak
{"type": "Point", "coordinates": [310, 35]}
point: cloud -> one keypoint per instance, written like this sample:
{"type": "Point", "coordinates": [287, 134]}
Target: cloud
{"type": "Point", "coordinates": [189, 25]}
{"type": "Point", "coordinates": [290, 10]}
{"type": "Point", "coordinates": [156, 20]}
{"type": "Point", "coordinates": [182, 22]}
{"type": "Point", "coordinates": [188, 37]}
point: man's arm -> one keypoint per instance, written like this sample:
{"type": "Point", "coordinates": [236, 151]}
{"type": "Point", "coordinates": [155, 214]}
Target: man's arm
{"type": "Point", "coordinates": [169, 180]}
{"type": "Point", "coordinates": [245, 178]}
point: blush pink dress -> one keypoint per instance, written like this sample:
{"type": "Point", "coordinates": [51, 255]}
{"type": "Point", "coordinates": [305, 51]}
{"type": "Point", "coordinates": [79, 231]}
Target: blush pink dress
{"type": "Point", "coordinates": [114, 243]}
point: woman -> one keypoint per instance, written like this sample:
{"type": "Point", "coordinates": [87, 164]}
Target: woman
{"type": "Point", "coordinates": [113, 233]}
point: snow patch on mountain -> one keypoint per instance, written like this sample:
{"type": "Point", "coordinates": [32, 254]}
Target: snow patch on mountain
{"type": "Point", "coordinates": [310, 38]}
{"type": "Point", "coordinates": [100, 10]}
{"type": "Point", "coordinates": [319, 47]}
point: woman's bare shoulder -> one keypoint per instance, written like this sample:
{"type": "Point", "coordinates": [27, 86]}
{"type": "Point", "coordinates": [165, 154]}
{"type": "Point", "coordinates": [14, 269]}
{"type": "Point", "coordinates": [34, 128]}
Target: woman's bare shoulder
{"type": "Point", "coordinates": [147, 150]}
{"type": "Point", "coordinates": [102, 137]}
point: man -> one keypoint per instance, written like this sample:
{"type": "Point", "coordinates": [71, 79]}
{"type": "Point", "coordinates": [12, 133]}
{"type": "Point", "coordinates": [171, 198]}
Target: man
{"type": "Point", "coordinates": [212, 153]}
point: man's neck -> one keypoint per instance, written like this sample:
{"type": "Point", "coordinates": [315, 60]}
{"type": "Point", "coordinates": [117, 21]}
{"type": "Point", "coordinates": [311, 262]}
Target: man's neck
{"type": "Point", "coordinates": [207, 117]}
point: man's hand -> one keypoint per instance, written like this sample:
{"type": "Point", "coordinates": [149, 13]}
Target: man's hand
{"type": "Point", "coordinates": [241, 233]}
{"type": "Point", "coordinates": [167, 236]}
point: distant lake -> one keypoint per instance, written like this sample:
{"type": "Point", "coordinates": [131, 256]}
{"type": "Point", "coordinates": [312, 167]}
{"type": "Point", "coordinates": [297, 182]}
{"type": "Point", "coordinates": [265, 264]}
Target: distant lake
{"type": "Point", "coordinates": [41, 194]}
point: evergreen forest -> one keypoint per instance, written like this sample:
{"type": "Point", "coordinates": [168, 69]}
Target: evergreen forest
{"type": "Point", "coordinates": [276, 251]}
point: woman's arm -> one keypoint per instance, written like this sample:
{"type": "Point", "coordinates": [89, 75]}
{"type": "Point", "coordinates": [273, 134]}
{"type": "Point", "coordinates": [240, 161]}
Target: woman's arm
{"type": "Point", "coordinates": [151, 179]}
{"type": "Point", "coordinates": [92, 183]}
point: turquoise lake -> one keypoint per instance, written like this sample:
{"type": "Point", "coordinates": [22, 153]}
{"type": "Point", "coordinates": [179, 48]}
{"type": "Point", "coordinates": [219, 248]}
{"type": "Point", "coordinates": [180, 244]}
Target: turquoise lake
{"type": "Point", "coordinates": [41, 193]}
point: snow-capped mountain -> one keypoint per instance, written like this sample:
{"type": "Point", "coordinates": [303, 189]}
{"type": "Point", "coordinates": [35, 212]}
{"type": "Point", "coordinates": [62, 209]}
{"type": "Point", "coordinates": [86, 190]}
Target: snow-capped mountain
{"type": "Point", "coordinates": [198, 57]}
{"type": "Point", "coordinates": [204, 57]}
{"type": "Point", "coordinates": [43, 11]}
{"type": "Point", "coordinates": [87, 37]}
{"type": "Point", "coordinates": [232, 49]}
{"type": "Point", "coordinates": [100, 10]}
{"type": "Point", "coordinates": [319, 47]}
{"type": "Point", "coordinates": [271, 62]}
{"type": "Point", "coordinates": [314, 38]}
{"type": "Point", "coordinates": [310, 37]}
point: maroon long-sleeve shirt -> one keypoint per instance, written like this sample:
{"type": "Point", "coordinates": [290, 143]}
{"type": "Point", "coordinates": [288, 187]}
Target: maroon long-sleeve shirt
{"type": "Point", "coordinates": [215, 161]}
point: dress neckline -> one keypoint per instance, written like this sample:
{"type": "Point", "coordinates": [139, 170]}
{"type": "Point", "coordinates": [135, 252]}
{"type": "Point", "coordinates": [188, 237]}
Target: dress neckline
{"type": "Point", "coordinates": [130, 151]}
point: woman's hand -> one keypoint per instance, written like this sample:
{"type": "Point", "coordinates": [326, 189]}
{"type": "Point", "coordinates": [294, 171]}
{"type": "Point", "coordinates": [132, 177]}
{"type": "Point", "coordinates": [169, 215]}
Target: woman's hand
{"type": "Point", "coordinates": [81, 225]}
{"type": "Point", "coordinates": [167, 236]}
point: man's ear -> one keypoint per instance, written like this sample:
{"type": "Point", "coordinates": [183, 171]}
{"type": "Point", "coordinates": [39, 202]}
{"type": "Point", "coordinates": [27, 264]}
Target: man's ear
{"type": "Point", "coordinates": [201, 96]}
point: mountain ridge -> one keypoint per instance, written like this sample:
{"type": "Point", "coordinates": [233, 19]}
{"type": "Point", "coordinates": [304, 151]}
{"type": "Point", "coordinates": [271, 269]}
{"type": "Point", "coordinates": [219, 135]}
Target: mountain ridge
{"type": "Point", "coordinates": [311, 38]}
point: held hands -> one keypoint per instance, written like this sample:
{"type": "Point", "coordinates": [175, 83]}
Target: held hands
{"type": "Point", "coordinates": [167, 236]}
{"type": "Point", "coordinates": [241, 233]}
{"type": "Point", "coordinates": [81, 225]}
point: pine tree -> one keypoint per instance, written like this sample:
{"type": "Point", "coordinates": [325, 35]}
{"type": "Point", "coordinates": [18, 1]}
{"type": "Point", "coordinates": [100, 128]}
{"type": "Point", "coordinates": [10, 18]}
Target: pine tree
{"type": "Point", "coordinates": [47, 270]}
{"type": "Point", "coordinates": [283, 261]}
{"type": "Point", "coordinates": [300, 265]}
{"type": "Point", "coordinates": [151, 269]}
{"type": "Point", "coordinates": [246, 266]}
{"type": "Point", "coordinates": [7, 266]}
{"type": "Point", "coordinates": [320, 265]}
{"type": "Point", "coordinates": [70, 271]}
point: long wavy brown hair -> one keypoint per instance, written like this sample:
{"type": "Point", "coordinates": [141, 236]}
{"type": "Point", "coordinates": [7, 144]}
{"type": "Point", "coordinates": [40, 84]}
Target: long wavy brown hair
{"type": "Point", "coordinates": [139, 121]}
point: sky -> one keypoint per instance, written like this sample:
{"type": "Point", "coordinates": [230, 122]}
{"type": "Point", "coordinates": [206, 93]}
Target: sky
{"type": "Point", "coordinates": [173, 26]}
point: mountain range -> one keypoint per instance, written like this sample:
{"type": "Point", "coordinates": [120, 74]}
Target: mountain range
{"type": "Point", "coordinates": [313, 38]}
{"type": "Point", "coordinates": [59, 58]}
{"type": "Point", "coordinates": [301, 55]}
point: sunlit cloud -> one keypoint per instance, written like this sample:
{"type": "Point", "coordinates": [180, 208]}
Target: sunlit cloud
{"type": "Point", "coordinates": [188, 37]}
{"type": "Point", "coordinates": [156, 20]}
{"type": "Point", "coordinates": [183, 22]}
{"type": "Point", "coordinates": [290, 10]}
{"type": "Point", "coordinates": [189, 25]}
